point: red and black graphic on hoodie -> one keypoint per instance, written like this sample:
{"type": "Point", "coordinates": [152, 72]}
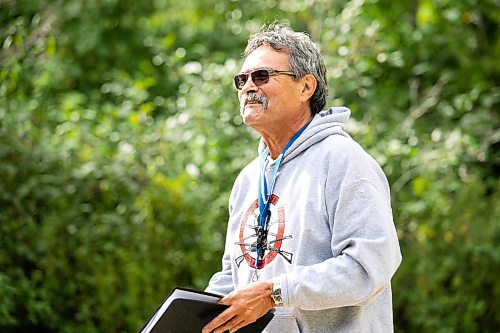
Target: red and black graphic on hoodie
{"type": "Point", "coordinates": [273, 235]}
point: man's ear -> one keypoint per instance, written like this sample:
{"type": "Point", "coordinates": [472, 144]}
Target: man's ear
{"type": "Point", "coordinates": [309, 84]}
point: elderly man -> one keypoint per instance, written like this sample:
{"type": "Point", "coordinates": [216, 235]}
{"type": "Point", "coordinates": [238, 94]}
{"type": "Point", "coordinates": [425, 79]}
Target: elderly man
{"type": "Point", "coordinates": [310, 230]}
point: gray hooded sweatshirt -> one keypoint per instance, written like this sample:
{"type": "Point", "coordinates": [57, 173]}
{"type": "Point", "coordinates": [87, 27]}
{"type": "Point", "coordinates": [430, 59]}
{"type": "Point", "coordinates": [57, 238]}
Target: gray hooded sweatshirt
{"type": "Point", "coordinates": [331, 239]}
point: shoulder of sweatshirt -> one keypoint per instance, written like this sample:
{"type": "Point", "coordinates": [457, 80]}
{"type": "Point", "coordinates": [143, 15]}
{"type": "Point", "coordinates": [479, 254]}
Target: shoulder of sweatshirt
{"type": "Point", "coordinates": [343, 149]}
{"type": "Point", "coordinates": [247, 175]}
{"type": "Point", "coordinates": [349, 161]}
{"type": "Point", "coordinates": [250, 170]}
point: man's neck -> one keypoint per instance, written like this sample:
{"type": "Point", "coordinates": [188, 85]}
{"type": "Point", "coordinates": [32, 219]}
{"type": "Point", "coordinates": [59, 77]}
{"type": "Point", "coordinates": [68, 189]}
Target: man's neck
{"type": "Point", "coordinates": [278, 136]}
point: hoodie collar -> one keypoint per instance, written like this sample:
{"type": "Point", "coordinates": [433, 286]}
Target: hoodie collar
{"type": "Point", "coordinates": [323, 124]}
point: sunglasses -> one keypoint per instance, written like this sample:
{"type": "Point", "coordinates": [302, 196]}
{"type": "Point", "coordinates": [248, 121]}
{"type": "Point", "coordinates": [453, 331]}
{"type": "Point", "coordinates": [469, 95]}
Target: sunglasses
{"type": "Point", "coordinates": [259, 77]}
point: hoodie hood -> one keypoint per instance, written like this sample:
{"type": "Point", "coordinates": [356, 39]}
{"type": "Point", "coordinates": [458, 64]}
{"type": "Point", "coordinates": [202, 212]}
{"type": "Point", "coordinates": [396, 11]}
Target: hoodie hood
{"type": "Point", "coordinates": [323, 124]}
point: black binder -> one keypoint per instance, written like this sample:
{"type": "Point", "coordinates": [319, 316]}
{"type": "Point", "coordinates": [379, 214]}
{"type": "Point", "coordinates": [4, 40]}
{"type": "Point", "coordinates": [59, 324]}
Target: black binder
{"type": "Point", "coordinates": [188, 311]}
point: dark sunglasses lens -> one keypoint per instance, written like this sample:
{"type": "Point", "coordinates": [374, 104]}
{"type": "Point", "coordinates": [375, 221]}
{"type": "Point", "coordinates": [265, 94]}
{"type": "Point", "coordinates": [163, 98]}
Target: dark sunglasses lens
{"type": "Point", "coordinates": [240, 80]}
{"type": "Point", "coordinates": [260, 77]}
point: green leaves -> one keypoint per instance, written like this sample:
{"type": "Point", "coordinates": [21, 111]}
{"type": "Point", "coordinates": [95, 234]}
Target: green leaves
{"type": "Point", "coordinates": [120, 139]}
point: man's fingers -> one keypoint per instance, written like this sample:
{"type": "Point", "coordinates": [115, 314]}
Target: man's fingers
{"type": "Point", "coordinates": [230, 326]}
{"type": "Point", "coordinates": [245, 306]}
{"type": "Point", "coordinates": [225, 300]}
{"type": "Point", "coordinates": [218, 321]}
{"type": "Point", "coordinates": [238, 326]}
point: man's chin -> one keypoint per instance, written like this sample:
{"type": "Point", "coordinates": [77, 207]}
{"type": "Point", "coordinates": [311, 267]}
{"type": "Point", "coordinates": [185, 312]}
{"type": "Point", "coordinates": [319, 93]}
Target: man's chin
{"type": "Point", "coordinates": [251, 113]}
{"type": "Point", "coordinates": [250, 109]}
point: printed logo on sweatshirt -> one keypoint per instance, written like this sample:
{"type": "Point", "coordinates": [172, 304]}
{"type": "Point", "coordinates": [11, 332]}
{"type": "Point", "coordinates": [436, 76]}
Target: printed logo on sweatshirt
{"type": "Point", "coordinates": [273, 235]}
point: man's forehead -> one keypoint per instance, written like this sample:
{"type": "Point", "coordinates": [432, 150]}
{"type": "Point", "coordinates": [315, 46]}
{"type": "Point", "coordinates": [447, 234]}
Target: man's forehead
{"type": "Point", "coordinates": [265, 57]}
{"type": "Point", "coordinates": [252, 69]}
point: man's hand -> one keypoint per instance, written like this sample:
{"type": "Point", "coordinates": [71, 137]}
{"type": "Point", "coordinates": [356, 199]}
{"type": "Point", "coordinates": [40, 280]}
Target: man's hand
{"type": "Point", "coordinates": [246, 305]}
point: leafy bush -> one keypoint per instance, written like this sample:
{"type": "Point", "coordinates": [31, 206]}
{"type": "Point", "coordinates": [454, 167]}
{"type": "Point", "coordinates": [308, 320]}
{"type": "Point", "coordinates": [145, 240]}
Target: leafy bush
{"type": "Point", "coordinates": [120, 140]}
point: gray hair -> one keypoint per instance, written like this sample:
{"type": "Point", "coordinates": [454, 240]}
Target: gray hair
{"type": "Point", "coordinates": [304, 57]}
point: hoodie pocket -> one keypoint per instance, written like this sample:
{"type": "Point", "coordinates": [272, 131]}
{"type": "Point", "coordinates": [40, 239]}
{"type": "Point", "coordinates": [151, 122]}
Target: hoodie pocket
{"type": "Point", "coordinates": [284, 321]}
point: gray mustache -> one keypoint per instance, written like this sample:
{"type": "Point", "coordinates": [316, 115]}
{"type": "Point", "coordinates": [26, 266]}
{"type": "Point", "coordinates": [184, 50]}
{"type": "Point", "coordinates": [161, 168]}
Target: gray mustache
{"type": "Point", "coordinates": [253, 97]}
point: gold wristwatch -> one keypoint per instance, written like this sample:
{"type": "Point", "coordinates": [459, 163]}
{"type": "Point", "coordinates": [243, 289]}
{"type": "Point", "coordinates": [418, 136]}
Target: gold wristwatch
{"type": "Point", "coordinates": [276, 295]}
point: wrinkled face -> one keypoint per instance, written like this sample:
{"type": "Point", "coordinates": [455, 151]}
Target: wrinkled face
{"type": "Point", "coordinates": [267, 104]}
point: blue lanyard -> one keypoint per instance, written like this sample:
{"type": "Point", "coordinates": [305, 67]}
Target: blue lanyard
{"type": "Point", "coordinates": [265, 193]}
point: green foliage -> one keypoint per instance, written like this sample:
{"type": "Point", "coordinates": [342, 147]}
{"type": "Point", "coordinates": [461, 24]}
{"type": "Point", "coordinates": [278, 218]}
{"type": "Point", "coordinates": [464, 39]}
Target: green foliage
{"type": "Point", "coordinates": [120, 139]}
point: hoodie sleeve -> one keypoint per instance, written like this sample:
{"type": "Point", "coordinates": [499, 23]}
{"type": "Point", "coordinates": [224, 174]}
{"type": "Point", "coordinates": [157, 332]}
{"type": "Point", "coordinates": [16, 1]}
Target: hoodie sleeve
{"type": "Point", "coordinates": [221, 282]}
{"type": "Point", "coordinates": [364, 244]}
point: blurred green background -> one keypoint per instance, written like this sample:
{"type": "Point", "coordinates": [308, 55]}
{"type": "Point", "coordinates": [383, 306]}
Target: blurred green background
{"type": "Point", "coordinates": [120, 138]}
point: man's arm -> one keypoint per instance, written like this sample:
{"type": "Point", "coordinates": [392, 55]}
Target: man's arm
{"type": "Point", "coordinates": [365, 253]}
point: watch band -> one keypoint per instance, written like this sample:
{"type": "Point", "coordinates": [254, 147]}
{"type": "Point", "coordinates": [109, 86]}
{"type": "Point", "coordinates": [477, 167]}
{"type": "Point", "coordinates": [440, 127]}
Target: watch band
{"type": "Point", "coordinates": [276, 295]}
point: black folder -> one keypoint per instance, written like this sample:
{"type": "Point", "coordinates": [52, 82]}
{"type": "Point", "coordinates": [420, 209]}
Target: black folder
{"type": "Point", "coordinates": [188, 311]}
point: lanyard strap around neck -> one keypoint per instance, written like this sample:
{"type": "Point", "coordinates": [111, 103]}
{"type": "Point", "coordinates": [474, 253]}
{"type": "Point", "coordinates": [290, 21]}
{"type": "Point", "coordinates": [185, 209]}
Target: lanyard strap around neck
{"type": "Point", "coordinates": [264, 193]}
